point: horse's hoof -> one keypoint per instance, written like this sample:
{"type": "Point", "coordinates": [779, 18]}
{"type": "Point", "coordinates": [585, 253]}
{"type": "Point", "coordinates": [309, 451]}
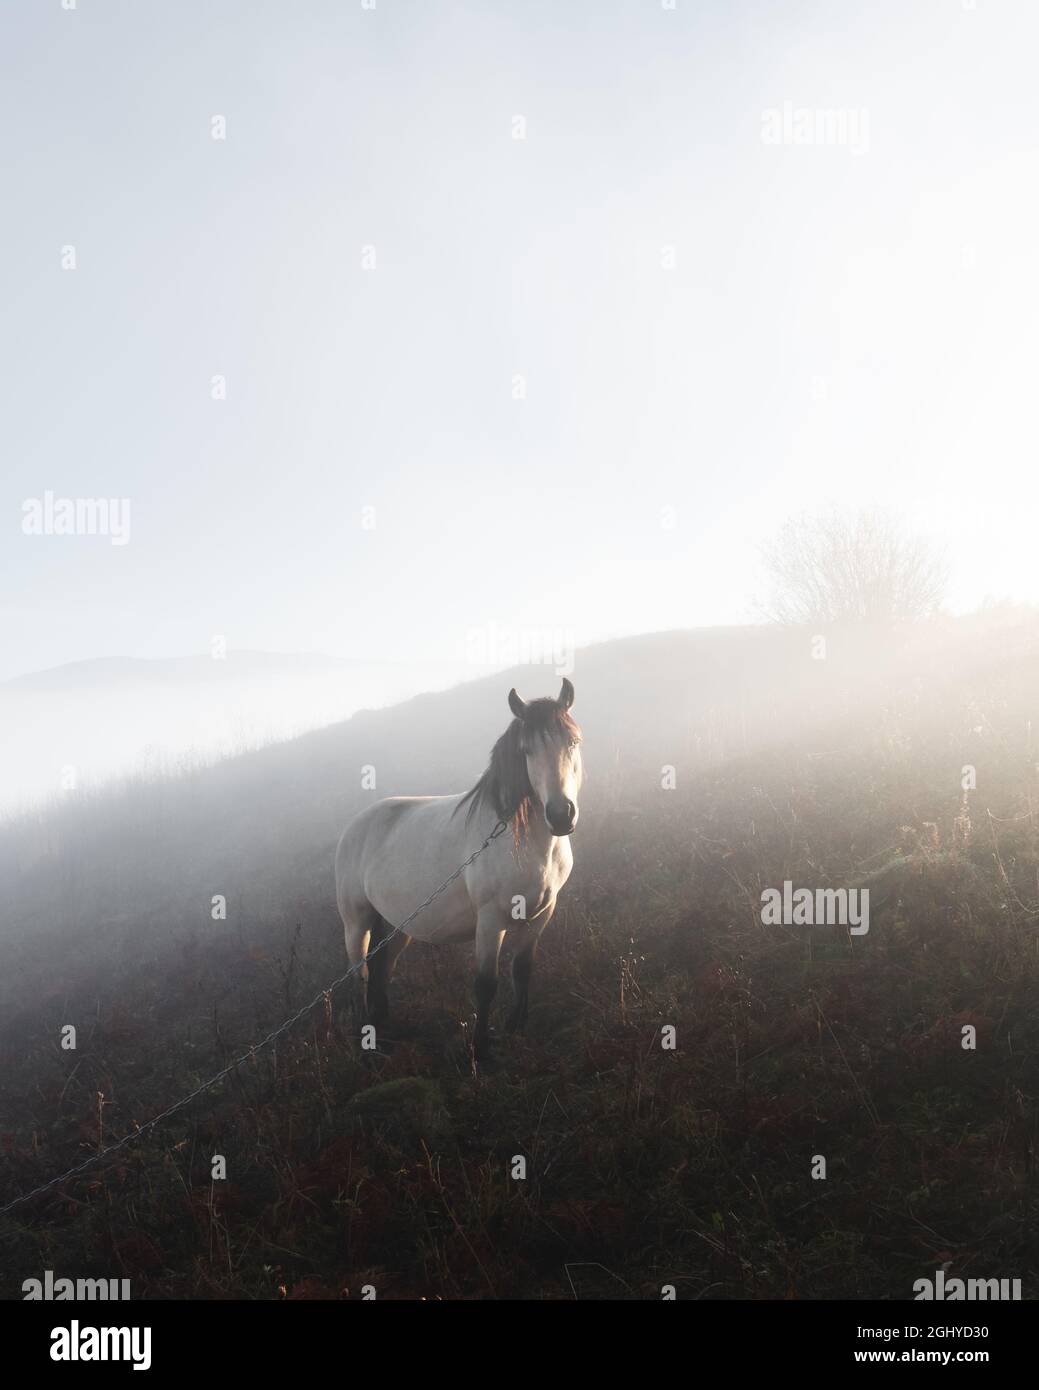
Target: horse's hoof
{"type": "Point", "coordinates": [481, 1053]}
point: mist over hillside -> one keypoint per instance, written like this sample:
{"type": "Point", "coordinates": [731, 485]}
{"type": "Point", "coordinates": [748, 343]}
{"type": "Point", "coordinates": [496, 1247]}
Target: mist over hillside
{"type": "Point", "coordinates": [136, 865]}
{"type": "Point", "coordinates": [84, 725]}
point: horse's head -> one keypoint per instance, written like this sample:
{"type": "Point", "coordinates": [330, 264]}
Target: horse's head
{"type": "Point", "coordinates": [550, 743]}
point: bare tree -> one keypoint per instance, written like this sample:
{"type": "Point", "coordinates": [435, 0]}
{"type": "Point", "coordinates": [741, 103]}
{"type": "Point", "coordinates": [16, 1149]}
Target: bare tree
{"type": "Point", "coordinates": [851, 567]}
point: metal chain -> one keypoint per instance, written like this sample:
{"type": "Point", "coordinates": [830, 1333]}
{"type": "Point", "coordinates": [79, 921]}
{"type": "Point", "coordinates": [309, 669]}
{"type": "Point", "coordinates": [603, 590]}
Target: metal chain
{"type": "Point", "coordinates": [232, 1066]}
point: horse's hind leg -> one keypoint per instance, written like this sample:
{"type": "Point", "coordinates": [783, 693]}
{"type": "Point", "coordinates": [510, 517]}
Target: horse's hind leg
{"type": "Point", "coordinates": [359, 922]}
{"type": "Point", "coordinates": [384, 950]}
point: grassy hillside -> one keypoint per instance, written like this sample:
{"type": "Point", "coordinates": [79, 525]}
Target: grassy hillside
{"type": "Point", "coordinates": [645, 1166]}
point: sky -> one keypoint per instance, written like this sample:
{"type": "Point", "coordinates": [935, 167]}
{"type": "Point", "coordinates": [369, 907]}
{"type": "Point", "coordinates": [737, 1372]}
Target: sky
{"type": "Point", "coordinates": [537, 282]}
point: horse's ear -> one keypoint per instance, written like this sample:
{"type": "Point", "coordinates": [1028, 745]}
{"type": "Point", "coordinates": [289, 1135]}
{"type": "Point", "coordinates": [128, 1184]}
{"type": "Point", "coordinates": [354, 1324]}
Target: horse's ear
{"type": "Point", "coordinates": [518, 706]}
{"type": "Point", "coordinates": [566, 694]}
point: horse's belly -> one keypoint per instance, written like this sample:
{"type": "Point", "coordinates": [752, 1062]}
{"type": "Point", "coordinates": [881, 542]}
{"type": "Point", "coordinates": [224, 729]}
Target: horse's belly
{"type": "Point", "coordinates": [449, 918]}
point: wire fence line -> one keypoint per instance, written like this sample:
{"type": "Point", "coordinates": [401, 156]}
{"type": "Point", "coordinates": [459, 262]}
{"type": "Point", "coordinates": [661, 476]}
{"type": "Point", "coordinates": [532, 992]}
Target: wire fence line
{"type": "Point", "coordinates": [256, 1047]}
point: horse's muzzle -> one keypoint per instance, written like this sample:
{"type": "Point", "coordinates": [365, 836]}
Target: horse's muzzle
{"type": "Point", "coordinates": [561, 817]}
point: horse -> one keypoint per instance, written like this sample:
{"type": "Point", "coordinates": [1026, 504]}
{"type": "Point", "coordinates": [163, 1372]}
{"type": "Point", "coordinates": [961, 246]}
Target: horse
{"type": "Point", "coordinates": [398, 850]}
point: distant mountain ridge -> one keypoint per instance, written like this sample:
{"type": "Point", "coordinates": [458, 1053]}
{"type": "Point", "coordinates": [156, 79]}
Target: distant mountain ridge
{"type": "Point", "coordinates": [87, 722]}
{"type": "Point", "coordinates": [132, 669]}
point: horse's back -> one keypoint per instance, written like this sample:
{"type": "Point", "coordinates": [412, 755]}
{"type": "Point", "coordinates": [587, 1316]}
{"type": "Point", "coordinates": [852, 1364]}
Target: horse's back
{"type": "Point", "coordinates": [371, 829]}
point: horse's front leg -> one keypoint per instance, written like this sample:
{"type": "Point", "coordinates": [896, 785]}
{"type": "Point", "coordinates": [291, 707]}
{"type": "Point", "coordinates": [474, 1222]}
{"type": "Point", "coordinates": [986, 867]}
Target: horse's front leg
{"type": "Point", "coordinates": [523, 966]}
{"type": "Point", "coordinates": [490, 932]}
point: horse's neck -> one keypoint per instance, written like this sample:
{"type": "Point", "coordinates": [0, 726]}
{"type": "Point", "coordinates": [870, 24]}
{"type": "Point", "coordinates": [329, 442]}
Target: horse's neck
{"type": "Point", "coordinates": [537, 841]}
{"type": "Point", "coordinates": [538, 837]}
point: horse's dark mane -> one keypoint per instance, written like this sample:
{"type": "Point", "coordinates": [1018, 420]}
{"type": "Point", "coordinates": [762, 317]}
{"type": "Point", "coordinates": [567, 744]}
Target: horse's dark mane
{"type": "Point", "coordinates": [505, 786]}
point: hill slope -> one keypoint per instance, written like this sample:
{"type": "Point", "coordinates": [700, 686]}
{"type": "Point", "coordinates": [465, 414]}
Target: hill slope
{"type": "Point", "coordinates": [646, 1166]}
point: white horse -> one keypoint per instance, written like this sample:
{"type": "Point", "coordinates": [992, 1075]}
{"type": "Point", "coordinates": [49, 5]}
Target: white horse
{"type": "Point", "coordinates": [396, 852]}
